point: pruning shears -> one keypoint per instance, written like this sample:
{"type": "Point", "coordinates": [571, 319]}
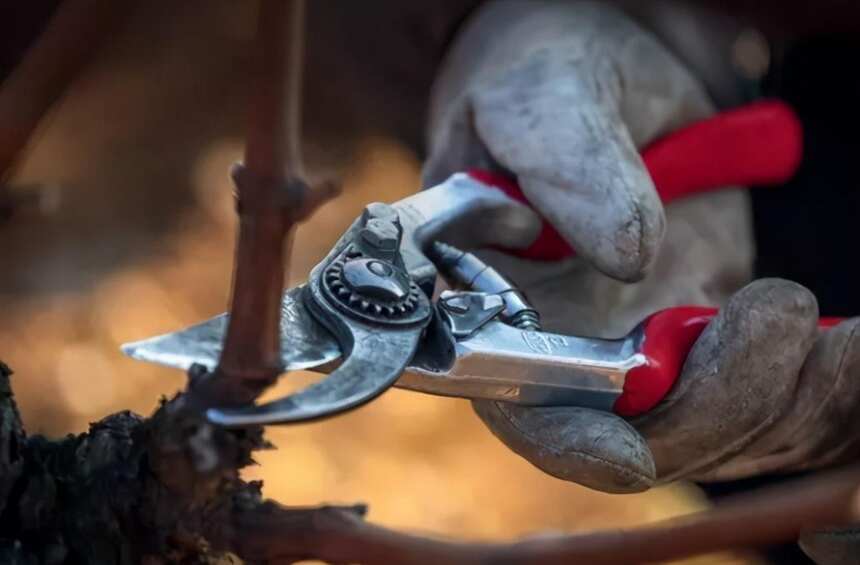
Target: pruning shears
{"type": "Point", "coordinates": [368, 315]}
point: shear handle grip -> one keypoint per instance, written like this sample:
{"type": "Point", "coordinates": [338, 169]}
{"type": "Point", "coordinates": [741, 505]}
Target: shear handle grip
{"type": "Point", "coordinates": [669, 335]}
{"type": "Point", "coordinates": [754, 145]}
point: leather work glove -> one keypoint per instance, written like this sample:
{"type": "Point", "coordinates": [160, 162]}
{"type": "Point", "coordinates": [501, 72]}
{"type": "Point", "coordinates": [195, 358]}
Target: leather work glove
{"type": "Point", "coordinates": [562, 95]}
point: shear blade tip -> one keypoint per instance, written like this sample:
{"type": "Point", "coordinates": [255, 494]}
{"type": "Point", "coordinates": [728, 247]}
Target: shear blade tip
{"type": "Point", "coordinates": [218, 417]}
{"type": "Point", "coordinates": [230, 419]}
{"type": "Point", "coordinates": [240, 417]}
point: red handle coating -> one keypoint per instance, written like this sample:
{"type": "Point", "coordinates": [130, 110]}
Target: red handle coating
{"type": "Point", "coordinates": [669, 336]}
{"type": "Point", "coordinates": [758, 144]}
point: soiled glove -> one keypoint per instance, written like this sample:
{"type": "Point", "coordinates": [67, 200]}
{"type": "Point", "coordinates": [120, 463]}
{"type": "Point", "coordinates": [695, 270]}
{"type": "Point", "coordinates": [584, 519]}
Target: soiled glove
{"type": "Point", "coordinates": [561, 95]}
{"type": "Point", "coordinates": [761, 391]}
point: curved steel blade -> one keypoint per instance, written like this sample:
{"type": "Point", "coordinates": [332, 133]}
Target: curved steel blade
{"type": "Point", "coordinates": [374, 357]}
{"type": "Point", "coordinates": [305, 343]}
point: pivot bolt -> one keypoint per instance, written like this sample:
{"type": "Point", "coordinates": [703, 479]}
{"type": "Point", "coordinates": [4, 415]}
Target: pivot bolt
{"type": "Point", "coordinates": [376, 279]}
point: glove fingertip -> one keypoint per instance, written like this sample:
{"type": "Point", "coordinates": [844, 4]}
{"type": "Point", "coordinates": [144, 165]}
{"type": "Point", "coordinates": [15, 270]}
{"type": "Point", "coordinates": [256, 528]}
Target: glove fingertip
{"type": "Point", "coordinates": [619, 230]}
{"type": "Point", "coordinates": [776, 304]}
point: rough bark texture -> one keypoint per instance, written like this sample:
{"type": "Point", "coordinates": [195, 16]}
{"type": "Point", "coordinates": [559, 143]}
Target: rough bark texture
{"type": "Point", "coordinates": [166, 489]}
{"type": "Point", "coordinates": [157, 490]}
{"type": "Point", "coordinates": [130, 490]}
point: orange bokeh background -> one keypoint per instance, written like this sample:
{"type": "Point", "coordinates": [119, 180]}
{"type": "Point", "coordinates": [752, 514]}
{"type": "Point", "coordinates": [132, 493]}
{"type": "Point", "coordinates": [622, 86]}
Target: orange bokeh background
{"type": "Point", "coordinates": [140, 242]}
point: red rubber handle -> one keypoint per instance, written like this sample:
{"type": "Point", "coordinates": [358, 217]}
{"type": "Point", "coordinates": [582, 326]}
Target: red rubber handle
{"type": "Point", "coordinates": [669, 336]}
{"type": "Point", "coordinates": [758, 144]}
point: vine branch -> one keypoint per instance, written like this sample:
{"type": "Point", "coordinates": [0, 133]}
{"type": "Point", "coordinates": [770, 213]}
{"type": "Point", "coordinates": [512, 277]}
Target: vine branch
{"type": "Point", "coordinates": [275, 534]}
{"type": "Point", "coordinates": [168, 488]}
{"type": "Point", "coordinates": [272, 196]}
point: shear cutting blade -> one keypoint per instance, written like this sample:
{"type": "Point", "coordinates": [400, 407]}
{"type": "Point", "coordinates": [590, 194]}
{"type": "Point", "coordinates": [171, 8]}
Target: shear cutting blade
{"type": "Point", "coordinates": [305, 343]}
{"type": "Point", "coordinates": [375, 353]}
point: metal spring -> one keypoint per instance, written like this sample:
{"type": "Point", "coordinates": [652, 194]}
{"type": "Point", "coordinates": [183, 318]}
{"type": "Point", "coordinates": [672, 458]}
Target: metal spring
{"type": "Point", "coordinates": [468, 271]}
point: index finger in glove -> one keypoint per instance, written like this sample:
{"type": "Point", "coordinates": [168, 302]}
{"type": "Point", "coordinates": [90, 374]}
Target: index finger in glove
{"type": "Point", "coordinates": [570, 93]}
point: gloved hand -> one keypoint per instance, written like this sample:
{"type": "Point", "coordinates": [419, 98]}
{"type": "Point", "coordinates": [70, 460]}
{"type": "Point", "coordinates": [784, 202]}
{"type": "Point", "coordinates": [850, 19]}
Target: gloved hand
{"type": "Point", "coordinates": [561, 95]}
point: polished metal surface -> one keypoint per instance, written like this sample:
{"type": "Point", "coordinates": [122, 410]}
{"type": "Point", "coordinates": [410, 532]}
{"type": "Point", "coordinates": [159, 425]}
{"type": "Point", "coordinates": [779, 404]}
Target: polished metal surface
{"type": "Point", "coordinates": [466, 312]}
{"type": "Point", "coordinates": [466, 211]}
{"type": "Point", "coordinates": [466, 270]}
{"type": "Point", "coordinates": [504, 363]}
{"type": "Point", "coordinates": [463, 212]}
{"type": "Point", "coordinates": [498, 363]}
{"type": "Point", "coordinates": [304, 342]}
{"type": "Point", "coordinates": [375, 352]}
{"type": "Point", "coordinates": [376, 279]}
{"type": "Point", "coordinates": [356, 318]}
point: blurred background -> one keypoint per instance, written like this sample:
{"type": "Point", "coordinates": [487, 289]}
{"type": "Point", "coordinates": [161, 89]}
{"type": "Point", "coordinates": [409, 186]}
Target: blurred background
{"type": "Point", "coordinates": [140, 242]}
